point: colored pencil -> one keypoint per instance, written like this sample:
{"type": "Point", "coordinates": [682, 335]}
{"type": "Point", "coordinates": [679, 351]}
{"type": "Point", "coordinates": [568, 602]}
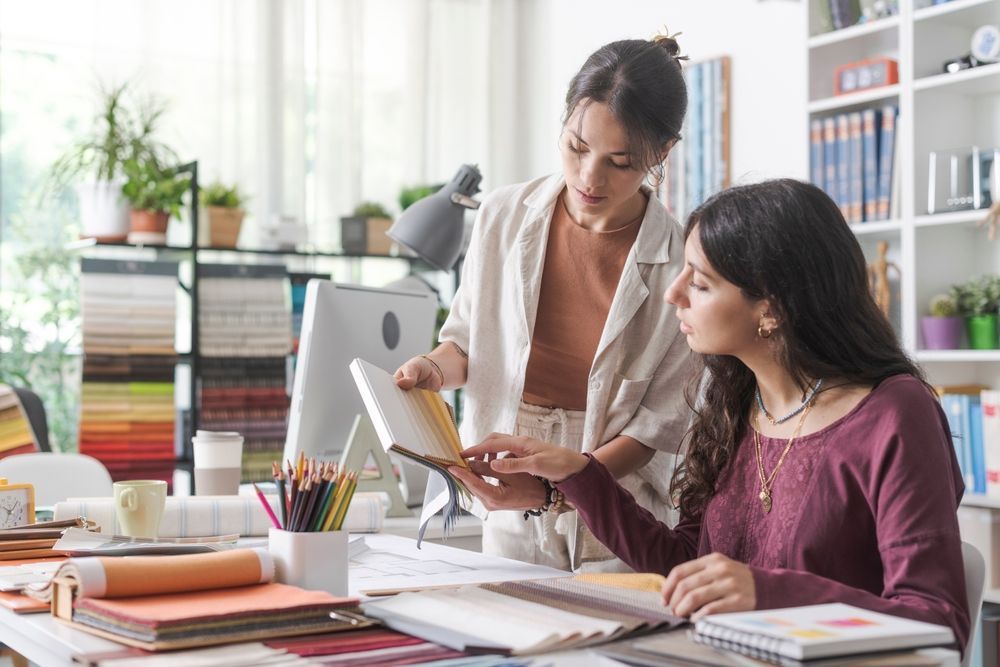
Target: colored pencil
{"type": "Point", "coordinates": [279, 481]}
{"type": "Point", "coordinates": [267, 506]}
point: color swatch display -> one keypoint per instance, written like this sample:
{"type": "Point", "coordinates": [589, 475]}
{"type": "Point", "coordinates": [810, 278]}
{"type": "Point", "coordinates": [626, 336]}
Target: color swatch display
{"type": "Point", "coordinates": [244, 339]}
{"type": "Point", "coordinates": [15, 431]}
{"type": "Point", "coordinates": [127, 412]}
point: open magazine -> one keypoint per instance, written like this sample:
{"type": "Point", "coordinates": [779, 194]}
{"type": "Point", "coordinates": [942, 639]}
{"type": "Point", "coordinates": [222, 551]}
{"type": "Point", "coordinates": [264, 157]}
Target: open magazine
{"type": "Point", "coordinates": [418, 425]}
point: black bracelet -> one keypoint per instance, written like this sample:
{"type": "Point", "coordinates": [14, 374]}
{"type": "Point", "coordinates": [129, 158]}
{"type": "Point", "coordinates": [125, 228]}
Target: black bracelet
{"type": "Point", "coordinates": [549, 490]}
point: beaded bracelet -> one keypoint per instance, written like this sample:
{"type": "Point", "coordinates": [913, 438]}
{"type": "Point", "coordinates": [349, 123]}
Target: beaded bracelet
{"type": "Point", "coordinates": [555, 500]}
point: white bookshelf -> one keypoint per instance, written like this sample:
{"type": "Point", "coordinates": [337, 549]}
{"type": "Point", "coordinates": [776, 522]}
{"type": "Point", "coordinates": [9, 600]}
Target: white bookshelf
{"type": "Point", "coordinates": [937, 111]}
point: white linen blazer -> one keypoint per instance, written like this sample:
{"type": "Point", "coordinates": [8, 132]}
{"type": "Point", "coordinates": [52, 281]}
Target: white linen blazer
{"type": "Point", "coordinates": [643, 363]}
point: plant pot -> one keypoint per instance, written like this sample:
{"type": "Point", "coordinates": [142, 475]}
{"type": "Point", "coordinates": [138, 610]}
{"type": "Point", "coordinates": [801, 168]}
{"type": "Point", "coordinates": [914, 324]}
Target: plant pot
{"type": "Point", "coordinates": [982, 332]}
{"type": "Point", "coordinates": [366, 236]}
{"type": "Point", "coordinates": [103, 210]}
{"type": "Point", "coordinates": [941, 333]}
{"type": "Point", "coordinates": [224, 226]}
{"type": "Point", "coordinates": [148, 227]}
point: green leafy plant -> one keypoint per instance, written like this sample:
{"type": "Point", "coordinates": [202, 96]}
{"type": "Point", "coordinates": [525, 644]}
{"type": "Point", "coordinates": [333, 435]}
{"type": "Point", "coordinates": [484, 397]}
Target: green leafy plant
{"type": "Point", "coordinates": [218, 194]}
{"type": "Point", "coordinates": [942, 305]}
{"type": "Point", "coordinates": [369, 209]}
{"type": "Point", "coordinates": [119, 134]}
{"type": "Point", "coordinates": [977, 296]}
{"type": "Point", "coordinates": [408, 196]}
{"type": "Point", "coordinates": [151, 188]}
{"type": "Point", "coordinates": [40, 326]}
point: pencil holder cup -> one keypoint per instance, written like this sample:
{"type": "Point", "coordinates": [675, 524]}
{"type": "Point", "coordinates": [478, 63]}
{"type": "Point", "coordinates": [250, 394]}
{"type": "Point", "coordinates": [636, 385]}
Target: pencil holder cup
{"type": "Point", "coordinates": [314, 561]}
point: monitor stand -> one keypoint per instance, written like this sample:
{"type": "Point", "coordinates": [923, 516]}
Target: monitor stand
{"type": "Point", "coordinates": [363, 445]}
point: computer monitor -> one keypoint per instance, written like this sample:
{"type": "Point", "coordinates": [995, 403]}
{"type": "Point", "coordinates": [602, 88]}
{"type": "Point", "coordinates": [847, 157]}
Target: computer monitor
{"type": "Point", "coordinates": [340, 323]}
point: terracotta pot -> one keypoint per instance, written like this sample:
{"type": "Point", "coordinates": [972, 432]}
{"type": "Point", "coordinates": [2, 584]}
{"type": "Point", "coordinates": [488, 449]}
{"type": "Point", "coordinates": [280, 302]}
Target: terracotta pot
{"type": "Point", "coordinates": [224, 226]}
{"type": "Point", "coordinates": [149, 221]}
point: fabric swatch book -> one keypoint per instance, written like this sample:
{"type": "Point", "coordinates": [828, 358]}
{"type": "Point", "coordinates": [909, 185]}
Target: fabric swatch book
{"type": "Point", "coordinates": [173, 602]}
{"type": "Point", "coordinates": [816, 631]}
{"type": "Point", "coordinates": [416, 424]}
{"type": "Point", "coordinates": [524, 617]}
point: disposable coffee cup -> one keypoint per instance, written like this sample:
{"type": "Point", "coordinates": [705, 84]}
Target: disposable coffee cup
{"type": "Point", "coordinates": [218, 456]}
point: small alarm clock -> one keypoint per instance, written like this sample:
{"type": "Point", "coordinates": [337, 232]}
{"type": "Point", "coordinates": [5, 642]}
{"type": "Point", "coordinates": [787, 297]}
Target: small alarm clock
{"type": "Point", "coordinates": [865, 74]}
{"type": "Point", "coordinates": [17, 504]}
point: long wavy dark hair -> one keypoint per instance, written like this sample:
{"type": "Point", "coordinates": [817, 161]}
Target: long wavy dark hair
{"type": "Point", "coordinates": [785, 241]}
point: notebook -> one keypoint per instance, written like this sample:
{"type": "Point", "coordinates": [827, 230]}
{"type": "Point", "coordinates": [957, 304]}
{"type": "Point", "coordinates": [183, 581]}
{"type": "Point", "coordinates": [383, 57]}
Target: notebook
{"type": "Point", "coordinates": [816, 631]}
{"type": "Point", "coordinates": [416, 424]}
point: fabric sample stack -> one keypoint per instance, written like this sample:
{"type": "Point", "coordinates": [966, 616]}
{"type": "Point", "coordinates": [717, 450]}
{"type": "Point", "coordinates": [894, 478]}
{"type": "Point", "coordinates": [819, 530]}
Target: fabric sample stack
{"type": "Point", "coordinates": [245, 337]}
{"type": "Point", "coordinates": [15, 432]}
{"type": "Point", "coordinates": [127, 399]}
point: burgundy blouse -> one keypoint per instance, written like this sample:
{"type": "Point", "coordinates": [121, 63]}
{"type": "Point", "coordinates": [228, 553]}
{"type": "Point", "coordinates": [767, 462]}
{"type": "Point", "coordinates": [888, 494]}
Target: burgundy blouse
{"type": "Point", "coordinates": [864, 513]}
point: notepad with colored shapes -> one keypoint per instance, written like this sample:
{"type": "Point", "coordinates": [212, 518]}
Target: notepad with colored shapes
{"type": "Point", "coordinates": [816, 631]}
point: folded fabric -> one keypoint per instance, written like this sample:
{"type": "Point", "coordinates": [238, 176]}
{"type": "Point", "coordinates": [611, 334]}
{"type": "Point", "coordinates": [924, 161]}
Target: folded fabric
{"type": "Point", "coordinates": [199, 516]}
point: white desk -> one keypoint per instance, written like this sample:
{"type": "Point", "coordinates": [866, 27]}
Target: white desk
{"type": "Point", "coordinates": [46, 642]}
{"type": "Point", "coordinates": [467, 534]}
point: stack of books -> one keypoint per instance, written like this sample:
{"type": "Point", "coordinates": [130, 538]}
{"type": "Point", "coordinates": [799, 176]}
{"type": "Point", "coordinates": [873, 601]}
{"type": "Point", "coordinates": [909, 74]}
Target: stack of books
{"type": "Point", "coordinates": [35, 540]}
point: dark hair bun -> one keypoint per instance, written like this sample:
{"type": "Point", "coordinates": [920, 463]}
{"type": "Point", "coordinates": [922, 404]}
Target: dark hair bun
{"type": "Point", "coordinates": [670, 45]}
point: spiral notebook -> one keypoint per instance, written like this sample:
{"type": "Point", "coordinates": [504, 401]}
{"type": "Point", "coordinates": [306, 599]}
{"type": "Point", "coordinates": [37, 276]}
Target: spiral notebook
{"type": "Point", "coordinates": [817, 631]}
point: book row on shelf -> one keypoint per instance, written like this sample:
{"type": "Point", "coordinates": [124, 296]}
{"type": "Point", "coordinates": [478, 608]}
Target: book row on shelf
{"type": "Point", "coordinates": [852, 156]}
{"type": "Point", "coordinates": [248, 322]}
{"type": "Point", "coordinates": [840, 14]}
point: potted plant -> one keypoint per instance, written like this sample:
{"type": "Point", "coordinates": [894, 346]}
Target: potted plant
{"type": "Point", "coordinates": [408, 196]}
{"type": "Point", "coordinates": [978, 301]}
{"type": "Point", "coordinates": [155, 194]}
{"type": "Point", "coordinates": [224, 206]}
{"type": "Point", "coordinates": [942, 329]}
{"type": "Point", "coordinates": [363, 233]}
{"type": "Point", "coordinates": [94, 165]}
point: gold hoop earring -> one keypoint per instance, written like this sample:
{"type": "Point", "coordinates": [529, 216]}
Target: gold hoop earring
{"type": "Point", "coordinates": [762, 332]}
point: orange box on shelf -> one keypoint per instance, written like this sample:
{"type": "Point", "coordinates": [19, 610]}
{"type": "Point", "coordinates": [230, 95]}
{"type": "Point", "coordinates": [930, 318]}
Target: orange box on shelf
{"type": "Point", "coordinates": [865, 74]}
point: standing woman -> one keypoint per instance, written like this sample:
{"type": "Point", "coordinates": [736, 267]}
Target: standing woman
{"type": "Point", "coordinates": [819, 466]}
{"type": "Point", "coordinates": [551, 332]}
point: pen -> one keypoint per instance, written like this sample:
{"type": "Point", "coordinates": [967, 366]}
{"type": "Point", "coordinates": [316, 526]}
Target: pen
{"type": "Point", "coordinates": [267, 506]}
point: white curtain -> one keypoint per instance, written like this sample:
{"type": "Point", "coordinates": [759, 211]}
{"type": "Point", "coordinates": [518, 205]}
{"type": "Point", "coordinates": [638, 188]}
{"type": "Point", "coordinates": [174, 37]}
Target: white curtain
{"type": "Point", "coordinates": [312, 106]}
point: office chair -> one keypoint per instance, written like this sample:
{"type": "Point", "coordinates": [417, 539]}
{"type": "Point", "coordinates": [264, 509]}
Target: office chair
{"type": "Point", "coordinates": [975, 580]}
{"type": "Point", "coordinates": [35, 411]}
{"type": "Point", "coordinates": [57, 476]}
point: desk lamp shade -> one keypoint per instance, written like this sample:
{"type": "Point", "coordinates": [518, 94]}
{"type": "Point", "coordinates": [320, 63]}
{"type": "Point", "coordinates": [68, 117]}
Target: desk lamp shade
{"type": "Point", "coordinates": [433, 227]}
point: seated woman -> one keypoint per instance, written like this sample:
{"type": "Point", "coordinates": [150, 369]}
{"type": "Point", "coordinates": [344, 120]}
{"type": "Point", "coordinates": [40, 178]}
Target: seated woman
{"type": "Point", "coordinates": [818, 467]}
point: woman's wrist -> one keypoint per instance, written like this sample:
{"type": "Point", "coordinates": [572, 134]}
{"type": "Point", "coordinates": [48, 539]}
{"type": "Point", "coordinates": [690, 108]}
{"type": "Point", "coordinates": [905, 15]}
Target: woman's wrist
{"type": "Point", "coordinates": [575, 462]}
{"type": "Point", "coordinates": [437, 368]}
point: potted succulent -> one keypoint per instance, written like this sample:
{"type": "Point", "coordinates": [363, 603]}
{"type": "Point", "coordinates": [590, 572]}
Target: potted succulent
{"type": "Point", "coordinates": [363, 233]}
{"type": "Point", "coordinates": [942, 329]}
{"type": "Point", "coordinates": [155, 195]}
{"type": "Point", "coordinates": [94, 165]}
{"type": "Point", "coordinates": [224, 206]}
{"type": "Point", "coordinates": [978, 301]}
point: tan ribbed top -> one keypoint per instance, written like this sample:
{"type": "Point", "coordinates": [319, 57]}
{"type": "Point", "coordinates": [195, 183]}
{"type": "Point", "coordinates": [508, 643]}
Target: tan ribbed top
{"type": "Point", "coordinates": [582, 269]}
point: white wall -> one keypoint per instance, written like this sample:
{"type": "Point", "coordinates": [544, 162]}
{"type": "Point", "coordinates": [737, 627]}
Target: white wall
{"type": "Point", "coordinates": [765, 39]}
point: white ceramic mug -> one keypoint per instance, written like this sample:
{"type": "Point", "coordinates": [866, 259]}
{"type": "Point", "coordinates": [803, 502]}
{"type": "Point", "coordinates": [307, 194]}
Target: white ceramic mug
{"type": "Point", "coordinates": [139, 506]}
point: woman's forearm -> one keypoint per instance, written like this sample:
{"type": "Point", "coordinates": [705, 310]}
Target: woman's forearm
{"type": "Point", "coordinates": [453, 362]}
{"type": "Point", "coordinates": [623, 455]}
